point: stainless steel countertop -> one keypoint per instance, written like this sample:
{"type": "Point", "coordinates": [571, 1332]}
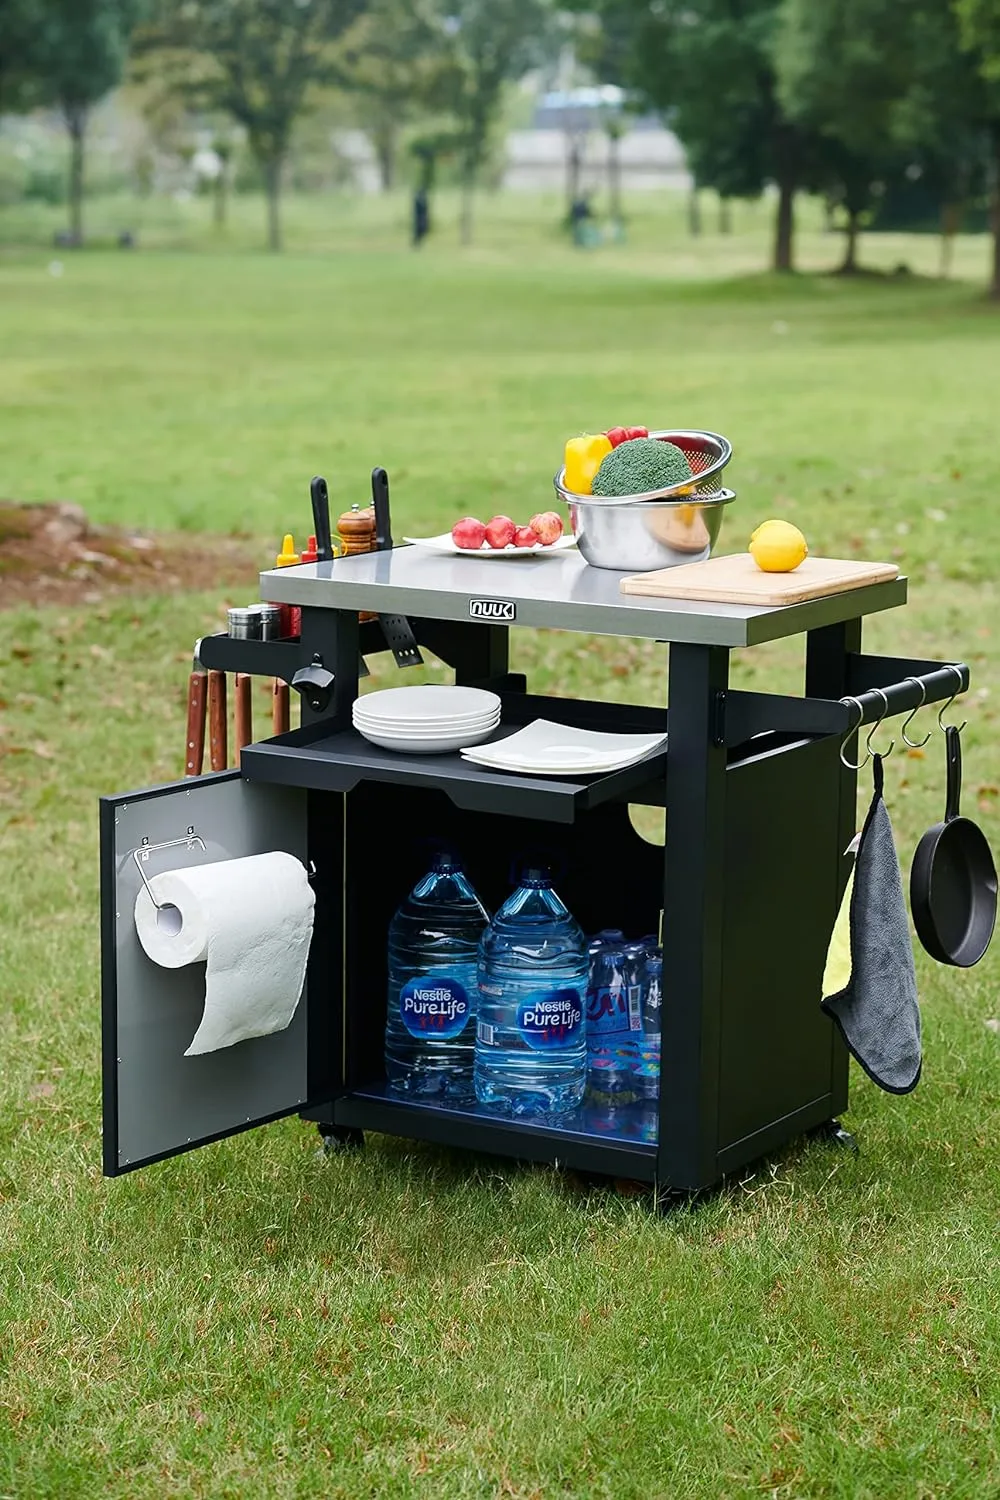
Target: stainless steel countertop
{"type": "Point", "coordinates": [558, 592]}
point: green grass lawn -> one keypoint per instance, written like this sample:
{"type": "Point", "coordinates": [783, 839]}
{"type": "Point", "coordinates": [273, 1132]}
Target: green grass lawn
{"type": "Point", "coordinates": [254, 1321]}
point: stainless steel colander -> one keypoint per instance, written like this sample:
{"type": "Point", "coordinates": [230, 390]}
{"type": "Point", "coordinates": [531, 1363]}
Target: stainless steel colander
{"type": "Point", "coordinates": [707, 452]}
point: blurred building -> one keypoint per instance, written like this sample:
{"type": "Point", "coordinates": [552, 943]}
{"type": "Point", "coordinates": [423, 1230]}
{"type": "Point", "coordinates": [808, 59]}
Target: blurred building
{"type": "Point", "coordinates": [576, 131]}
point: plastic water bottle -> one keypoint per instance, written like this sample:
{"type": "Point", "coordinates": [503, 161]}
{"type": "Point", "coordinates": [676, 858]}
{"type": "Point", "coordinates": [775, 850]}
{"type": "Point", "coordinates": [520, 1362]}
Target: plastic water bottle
{"type": "Point", "coordinates": [431, 1009]}
{"type": "Point", "coordinates": [612, 1053]}
{"type": "Point", "coordinates": [648, 1073]}
{"type": "Point", "coordinates": [531, 1044]}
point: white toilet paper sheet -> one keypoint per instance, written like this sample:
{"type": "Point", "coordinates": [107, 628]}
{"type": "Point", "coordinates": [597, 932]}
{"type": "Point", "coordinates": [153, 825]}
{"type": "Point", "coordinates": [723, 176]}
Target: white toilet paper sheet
{"type": "Point", "coordinates": [252, 919]}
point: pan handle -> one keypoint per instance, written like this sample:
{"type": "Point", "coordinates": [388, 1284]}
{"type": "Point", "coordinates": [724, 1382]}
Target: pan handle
{"type": "Point", "coordinates": [953, 752]}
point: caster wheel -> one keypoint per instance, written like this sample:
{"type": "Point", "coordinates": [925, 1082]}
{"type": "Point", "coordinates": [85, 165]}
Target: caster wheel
{"type": "Point", "coordinates": [835, 1132]}
{"type": "Point", "coordinates": [340, 1138]}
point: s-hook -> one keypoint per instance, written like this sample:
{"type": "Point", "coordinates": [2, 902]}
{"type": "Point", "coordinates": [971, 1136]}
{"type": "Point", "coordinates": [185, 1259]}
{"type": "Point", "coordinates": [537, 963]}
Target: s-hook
{"type": "Point", "coordinates": [945, 707]}
{"type": "Point", "coordinates": [874, 730]}
{"type": "Point", "coordinates": [849, 764]}
{"type": "Point", "coordinates": [915, 744]}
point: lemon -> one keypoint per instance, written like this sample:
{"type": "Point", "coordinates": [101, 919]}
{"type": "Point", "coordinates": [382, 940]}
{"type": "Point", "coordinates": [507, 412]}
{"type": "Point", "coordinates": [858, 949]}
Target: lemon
{"type": "Point", "coordinates": [778, 547]}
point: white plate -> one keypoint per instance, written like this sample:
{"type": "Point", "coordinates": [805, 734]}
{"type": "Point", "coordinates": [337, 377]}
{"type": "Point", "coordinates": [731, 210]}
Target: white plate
{"type": "Point", "coordinates": [434, 722]}
{"type": "Point", "coordinates": [551, 749]}
{"type": "Point", "coordinates": [435, 732]}
{"type": "Point", "coordinates": [444, 544]}
{"type": "Point", "coordinates": [426, 745]}
{"type": "Point", "coordinates": [425, 705]}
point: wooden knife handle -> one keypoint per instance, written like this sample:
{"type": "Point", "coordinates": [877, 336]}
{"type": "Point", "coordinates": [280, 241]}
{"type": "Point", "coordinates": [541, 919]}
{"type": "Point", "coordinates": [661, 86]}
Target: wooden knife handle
{"type": "Point", "coordinates": [194, 754]}
{"type": "Point", "coordinates": [244, 712]}
{"type": "Point", "coordinates": [281, 711]}
{"type": "Point", "coordinates": [218, 743]}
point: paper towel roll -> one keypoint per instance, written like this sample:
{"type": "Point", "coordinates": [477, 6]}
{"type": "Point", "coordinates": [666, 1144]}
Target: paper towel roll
{"type": "Point", "coordinates": [252, 919]}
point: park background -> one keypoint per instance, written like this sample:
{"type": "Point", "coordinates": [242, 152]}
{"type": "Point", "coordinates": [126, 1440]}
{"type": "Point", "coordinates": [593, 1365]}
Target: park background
{"type": "Point", "coordinates": [254, 1319]}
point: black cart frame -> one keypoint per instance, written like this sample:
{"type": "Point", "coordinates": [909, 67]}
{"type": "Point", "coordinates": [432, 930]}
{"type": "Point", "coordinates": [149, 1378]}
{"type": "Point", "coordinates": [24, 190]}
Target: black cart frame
{"type": "Point", "coordinates": [760, 809]}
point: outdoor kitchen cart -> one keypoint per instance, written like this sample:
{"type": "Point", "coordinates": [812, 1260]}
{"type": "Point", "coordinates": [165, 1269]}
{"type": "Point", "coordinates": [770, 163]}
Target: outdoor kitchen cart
{"type": "Point", "coordinates": [760, 810]}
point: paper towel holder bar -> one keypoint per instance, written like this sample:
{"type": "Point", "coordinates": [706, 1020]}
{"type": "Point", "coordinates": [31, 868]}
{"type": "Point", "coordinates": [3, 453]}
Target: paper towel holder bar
{"type": "Point", "coordinates": [145, 849]}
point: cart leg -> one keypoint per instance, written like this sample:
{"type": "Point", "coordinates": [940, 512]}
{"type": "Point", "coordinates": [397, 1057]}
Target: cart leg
{"type": "Point", "coordinates": [340, 1138]}
{"type": "Point", "coordinates": [833, 1130]}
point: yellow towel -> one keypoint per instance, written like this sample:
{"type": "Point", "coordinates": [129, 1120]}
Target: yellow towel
{"type": "Point", "coordinates": [838, 955]}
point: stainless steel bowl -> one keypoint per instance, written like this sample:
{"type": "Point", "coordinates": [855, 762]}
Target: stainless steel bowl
{"type": "Point", "coordinates": [629, 538]}
{"type": "Point", "coordinates": [707, 452]}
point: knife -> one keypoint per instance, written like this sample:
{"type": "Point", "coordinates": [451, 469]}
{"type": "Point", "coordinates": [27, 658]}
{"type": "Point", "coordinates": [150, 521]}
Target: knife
{"type": "Point", "coordinates": [218, 747]}
{"type": "Point", "coordinates": [319, 494]}
{"type": "Point", "coordinates": [194, 752]}
{"type": "Point", "coordinates": [397, 629]}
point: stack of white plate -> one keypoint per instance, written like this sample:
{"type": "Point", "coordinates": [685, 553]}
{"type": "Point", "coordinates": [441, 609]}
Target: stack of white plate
{"type": "Point", "coordinates": [427, 720]}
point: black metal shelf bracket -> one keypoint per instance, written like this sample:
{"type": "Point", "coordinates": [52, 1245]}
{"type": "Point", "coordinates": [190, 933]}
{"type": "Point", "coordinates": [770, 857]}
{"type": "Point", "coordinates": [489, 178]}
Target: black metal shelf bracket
{"type": "Point", "coordinates": [879, 687]}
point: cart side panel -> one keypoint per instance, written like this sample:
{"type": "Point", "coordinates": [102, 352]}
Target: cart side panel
{"type": "Point", "coordinates": [157, 1102]}
{"type": "Point", "coordinates": [783, 868]}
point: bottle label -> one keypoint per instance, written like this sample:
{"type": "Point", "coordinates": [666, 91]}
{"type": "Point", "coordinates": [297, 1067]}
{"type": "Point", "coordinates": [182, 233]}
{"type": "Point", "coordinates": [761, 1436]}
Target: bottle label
{"type": "Point", "coordinates": [635, 1007]}
{"type": "Point", "coordinates": [550, 1018]}
{"type": "Point", "coordinates": [607, 1011]}
{"type": "Point", "coordinates": [434, 1005]}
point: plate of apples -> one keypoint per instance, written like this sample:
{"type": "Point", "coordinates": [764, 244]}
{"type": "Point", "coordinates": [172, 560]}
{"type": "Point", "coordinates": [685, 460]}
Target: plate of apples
{"type": "Point", "coordinates": [499, 537]}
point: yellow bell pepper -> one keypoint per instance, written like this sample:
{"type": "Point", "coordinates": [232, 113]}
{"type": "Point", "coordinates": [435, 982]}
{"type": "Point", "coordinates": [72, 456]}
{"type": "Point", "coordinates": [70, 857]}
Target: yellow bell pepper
{"type": "Point", "coordinates": [584, 456]}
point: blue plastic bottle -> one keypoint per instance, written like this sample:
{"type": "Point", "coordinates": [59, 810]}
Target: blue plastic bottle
{"type": "Point", "coordinates": [531, 1043]}
{"type": "Point", "coordinates": [612, 1051]}
{"type": "Point", "coordinates": [648, 1073]}
{"type": "Point", "coordinates": [431, 1008]}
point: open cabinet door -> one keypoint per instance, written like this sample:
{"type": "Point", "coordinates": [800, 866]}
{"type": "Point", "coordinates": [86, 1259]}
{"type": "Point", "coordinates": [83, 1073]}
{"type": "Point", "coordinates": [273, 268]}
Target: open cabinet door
{"type": "Point", "coordinates": [157, 1102]}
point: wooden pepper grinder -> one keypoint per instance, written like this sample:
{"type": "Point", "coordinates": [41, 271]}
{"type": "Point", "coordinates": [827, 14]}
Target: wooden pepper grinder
{"type": "Point", "coordinates": [357, 532]}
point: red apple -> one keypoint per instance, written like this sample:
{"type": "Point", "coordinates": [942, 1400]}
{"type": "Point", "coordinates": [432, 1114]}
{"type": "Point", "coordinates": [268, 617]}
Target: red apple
{"type": "Point", "coordinates": [548, 525]}
{"type": "Point", "coordinates": [500, 532]}
{"type": "Point", "coordinates": [525, 536]}
{"type": "Point", "coordinates": [468, 534]}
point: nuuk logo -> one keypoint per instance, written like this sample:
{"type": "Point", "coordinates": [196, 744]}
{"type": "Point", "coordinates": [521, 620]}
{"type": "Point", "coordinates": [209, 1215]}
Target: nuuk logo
{"type": "Point", "coordinates": [493, 609]}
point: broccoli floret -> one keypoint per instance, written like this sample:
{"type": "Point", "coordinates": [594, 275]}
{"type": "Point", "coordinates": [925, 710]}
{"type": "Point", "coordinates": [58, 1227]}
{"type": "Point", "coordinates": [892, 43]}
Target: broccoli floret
{"type": "Point", "coordinates": [640, 465]}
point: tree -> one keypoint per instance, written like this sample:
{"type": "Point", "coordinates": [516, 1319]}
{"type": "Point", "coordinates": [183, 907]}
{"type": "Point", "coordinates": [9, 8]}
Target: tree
{"type": "Point", "coordinates": [77, 54]}
{"type": "Point", "coordinates": [494, 42]}
{"type": "Point", "coordinates": [708, 67]}
{"type": "Point", "coordinates": [395, 65]}
{"type": "Point", "coordinates": [979, 21]}
{"type": "Point", "coordinates": [843, 68]}
{"type": "Point", "coordinates": [255, 60]}
{"type": "Point", "coordinates": [19, 61]}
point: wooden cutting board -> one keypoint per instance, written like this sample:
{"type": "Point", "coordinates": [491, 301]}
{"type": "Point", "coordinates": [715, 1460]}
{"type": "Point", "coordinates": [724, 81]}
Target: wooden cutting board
{"type": "Point", "coordinates": [738, 580]}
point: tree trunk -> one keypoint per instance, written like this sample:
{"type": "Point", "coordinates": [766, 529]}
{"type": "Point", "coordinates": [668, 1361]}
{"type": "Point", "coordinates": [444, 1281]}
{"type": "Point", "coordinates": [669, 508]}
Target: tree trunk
{"type": "Point", "coordinates": [614, 178]}
{"type": "Point", "coordinates": [468, 188]}
{"type": "Point", "coordinates": [76, 124]}
{"type": "Point", "coordinates": [995, 215]}
{"type": "Point", "coordinates": [272, 182]}
{"type": "Point", "coordinates": [784, 224]}
{"type": "Point", "coordinates": [951, 217]}
{"type": "Point", "coordinates": [725, 217]}
{"type": "Point", "coordinates": [385, 151]}
{"type": "Point", "coordinates": [850, 264]}
{"type": "Point", "coordinates": [574, 165]}
{"type": "Point", "coordinates": [694, 213]}
{"type": "Point", "coordinates": [220, 197]}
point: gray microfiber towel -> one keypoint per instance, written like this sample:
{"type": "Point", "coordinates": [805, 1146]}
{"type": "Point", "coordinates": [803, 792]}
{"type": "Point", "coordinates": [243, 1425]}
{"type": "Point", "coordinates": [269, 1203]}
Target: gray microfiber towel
{"type": "Point", "coordinates": [877, 1010]}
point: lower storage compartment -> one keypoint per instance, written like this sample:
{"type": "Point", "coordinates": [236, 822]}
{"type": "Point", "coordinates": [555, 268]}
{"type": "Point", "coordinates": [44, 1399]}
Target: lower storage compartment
{"type": "Point", "coordinates": [604, 872]}
{"type": "Point", "coordinates": [621, 1143]}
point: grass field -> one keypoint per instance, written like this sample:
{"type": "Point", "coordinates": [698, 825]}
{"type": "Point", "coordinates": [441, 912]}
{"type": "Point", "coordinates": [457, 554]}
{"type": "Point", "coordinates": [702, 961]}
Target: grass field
{"type": "Point", "coordinates": [253, 1321]}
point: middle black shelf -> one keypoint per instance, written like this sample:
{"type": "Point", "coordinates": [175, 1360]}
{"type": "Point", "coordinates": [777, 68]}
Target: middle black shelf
{"type": "Point", "coordinates": [324, 759]}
